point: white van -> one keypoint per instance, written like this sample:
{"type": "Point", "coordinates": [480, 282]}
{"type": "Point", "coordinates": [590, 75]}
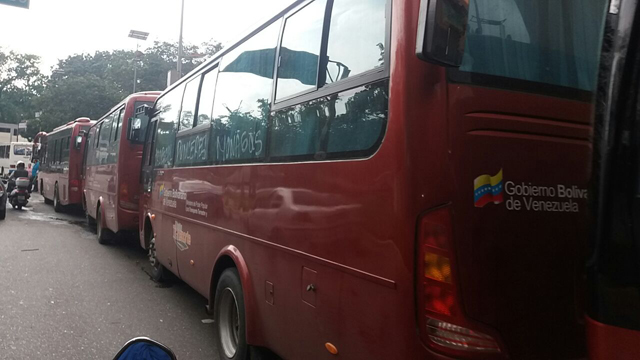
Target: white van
{"type": "Point", "coordinates": [11, 153]}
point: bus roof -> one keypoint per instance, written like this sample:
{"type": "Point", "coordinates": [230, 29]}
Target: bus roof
{"type": "Point", "coordinates": [82, 120]}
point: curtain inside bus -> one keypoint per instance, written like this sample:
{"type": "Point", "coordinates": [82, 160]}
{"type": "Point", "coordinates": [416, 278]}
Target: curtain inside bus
{"type": "Point", "coordinates": [546, 41]}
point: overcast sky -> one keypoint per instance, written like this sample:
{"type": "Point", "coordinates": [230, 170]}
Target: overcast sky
{"type": "Point", "coordinates": [55, 29]}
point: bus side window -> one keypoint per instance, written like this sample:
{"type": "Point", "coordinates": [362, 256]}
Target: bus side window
{"type": "Point", "coordinates": [65, 150]}
{"type": "Point", "coordinates": [242, 99]}
{"type": "Point", "coordinates": [205, 101]}
{"type": "Point", "coordinates": [168, 108]}
{"type": "Point", "coordinates": [348, 122]}
{"type": "Point", "coordinates": [356, 41]}
{"type": "Point", "coordinates": [104, 140]}
{"type": "Point", "coordinates": [189, 103]}
{"type": "Point", "coordinates": [300, 50]}
{"type": "Point", "coordinates": [118, 121]}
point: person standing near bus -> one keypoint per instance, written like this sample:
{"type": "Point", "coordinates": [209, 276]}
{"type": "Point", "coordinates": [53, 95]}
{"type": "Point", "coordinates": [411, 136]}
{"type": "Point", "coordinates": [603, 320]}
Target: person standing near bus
{"type": "Point", "coordinates": [34, 174]}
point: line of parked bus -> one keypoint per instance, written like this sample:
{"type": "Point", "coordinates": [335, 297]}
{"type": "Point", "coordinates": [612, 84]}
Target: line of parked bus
{"type": "Point", "coordinates": [333, 194]}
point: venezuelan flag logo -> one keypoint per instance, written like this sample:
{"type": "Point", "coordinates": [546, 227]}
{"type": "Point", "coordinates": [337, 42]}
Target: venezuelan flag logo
{"type": "Point", "coordinates": [487, 189]}
{"type": "Point", "coordinates": [161, 192]}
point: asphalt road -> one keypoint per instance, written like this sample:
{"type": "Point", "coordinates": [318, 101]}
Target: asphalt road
{"type": "Point", "coordinates": [64, 296]}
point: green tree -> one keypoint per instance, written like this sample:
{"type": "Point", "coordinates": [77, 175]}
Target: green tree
{"type": "Point", "coordinates": [67, 99]}
{"type": "Point", "coordinates": [90, 84]}
{"type": "Point", "coordinates": [20, 83]}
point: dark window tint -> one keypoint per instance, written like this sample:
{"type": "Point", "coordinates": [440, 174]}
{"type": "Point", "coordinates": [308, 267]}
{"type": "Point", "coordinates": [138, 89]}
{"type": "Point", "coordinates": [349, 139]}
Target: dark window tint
{"type": "Point", "coordinates": [546, 41]}
{"type": "Point", "coordinates": [241, 108]}
{"type": "Point", "coordinates": [299, 51]}
{"type": "Point", "coordinates": [56, 151]}
{"type": "Point", "coordinates": [104, 140]}
{"type": "Point", "coordinates": [189, 104]}
{"type": "Point", "coordinates": [65, 150]}
{"type": "Point", "coordinates": [168, 108]}
{"type": "Point", "coordinates": [356, 38]}
{"type": "Point", "coordinates": [349, 124]}
{"type": "Point", "coordinates": [207, 94]}
{"type": "Point", "coordinates": [118, 123]}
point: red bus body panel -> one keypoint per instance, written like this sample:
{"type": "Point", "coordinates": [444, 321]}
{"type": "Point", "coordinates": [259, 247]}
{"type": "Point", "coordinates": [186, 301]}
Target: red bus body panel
{"type": "Point", "coordinates": [105, 183]}
{"type": "Point", "coordinates": [612, 342]}
{"type": "Point", "coordinates": [349, 227]}
{"type": "Point", "coordinates": [66, 177]}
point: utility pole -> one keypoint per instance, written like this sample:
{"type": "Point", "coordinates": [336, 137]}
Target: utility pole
{"type": "Point", "coordinates": [138, 35]}
{"type": "Point", "coordinates": [180, 42]}
{"type": "Point", "coordinates": [135, 68]}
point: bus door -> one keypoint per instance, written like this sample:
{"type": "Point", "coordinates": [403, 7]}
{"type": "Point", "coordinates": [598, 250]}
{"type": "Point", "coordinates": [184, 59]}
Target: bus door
{"type": "Point", "coordinates": [146, 170]}
{"type": "Point", "coordinates": [613, 266]}
{"type": "Point", "coordinates": [157, 183]}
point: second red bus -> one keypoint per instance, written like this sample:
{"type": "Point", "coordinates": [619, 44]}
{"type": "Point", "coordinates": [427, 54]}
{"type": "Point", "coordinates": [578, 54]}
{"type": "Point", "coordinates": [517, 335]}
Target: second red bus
{"type": "Point", "coordinates": [112, 167]}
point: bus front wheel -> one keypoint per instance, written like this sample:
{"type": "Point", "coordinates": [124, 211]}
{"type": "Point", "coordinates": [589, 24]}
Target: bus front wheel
{"type": "Point", "coordinates": [158, 271]}
{"type": "Point", "coordinates": [230, 317]}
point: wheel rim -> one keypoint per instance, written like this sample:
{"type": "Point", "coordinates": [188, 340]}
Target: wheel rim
{"type": "Point", "coordinates": [99, 224]}
{"type": "Point", "coordinates": [55, 198]}
{"type": "Point", "coordinates": [153, 260]}
{"type": "Point", "coordinates": [229, 325]}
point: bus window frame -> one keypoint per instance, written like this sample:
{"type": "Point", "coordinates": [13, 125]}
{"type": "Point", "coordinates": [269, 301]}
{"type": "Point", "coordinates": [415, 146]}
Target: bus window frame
{"type": "Point", "coordinates": [368, 77]}
{"type": "Point", "coordinates": [120, 111]}
{"type": "Point", "coordinates": [457, 76]}
{"type": "Point", "coordinates": [195, 111]}
{"type": "Point", "coordinates": [364, 78]}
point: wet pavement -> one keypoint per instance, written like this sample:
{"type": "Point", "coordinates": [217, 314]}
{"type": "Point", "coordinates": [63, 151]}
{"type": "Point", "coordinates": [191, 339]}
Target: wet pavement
{"type": "Point", "coordinates": [64, 296]}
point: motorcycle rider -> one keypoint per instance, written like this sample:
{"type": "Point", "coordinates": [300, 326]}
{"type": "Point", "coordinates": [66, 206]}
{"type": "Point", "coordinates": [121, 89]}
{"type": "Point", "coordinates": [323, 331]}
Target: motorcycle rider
{"type": "Point", "coordinates": [20, 172]}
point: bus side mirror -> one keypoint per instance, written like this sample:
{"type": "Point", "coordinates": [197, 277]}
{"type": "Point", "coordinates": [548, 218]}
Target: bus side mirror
{"type": "Point", "coordinates": [442, 28]}
{"type": "Point", "coordinates": [134, 132]}
{"type": "Point", "coordinates": [78, 142]}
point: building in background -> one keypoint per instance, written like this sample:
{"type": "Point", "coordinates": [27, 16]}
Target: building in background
{"type": "Point", "coordinates": [10, 133]}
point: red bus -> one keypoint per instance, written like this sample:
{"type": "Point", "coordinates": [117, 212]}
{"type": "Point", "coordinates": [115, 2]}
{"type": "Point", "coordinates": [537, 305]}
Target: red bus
{"type": "Point", "coordinates": [331, 193]}
{"type": "Point", "coordinates": [613, 307]}
{"type": "Point", "coordinates": [61, 165]}
{"type": "Point", "coordinates": [112, 167]}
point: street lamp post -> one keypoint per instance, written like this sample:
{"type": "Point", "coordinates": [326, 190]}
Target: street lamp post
{"type": "Point", "coordinates": [179, 68]}
{"type": "Point", "coordinates": [138, 35]}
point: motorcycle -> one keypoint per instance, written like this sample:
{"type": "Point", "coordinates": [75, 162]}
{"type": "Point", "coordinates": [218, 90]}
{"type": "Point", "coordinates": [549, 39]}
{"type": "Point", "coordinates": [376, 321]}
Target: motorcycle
{"type": "Point", "coordinates": [143, 348]}
{"type": "Point", "coordinates": [3, 199]}
{"type": "Point", "coordinates": [19, 192]}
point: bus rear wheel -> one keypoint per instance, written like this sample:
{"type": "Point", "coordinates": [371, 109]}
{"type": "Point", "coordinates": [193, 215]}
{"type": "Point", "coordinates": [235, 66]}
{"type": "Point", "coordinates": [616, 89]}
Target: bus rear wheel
{"type": "Point", "coordinates": [57, 207]}
{"type": "Point", "coordinates": [230, 317]}
{"type": "Point", "coordinates": [104, 235]}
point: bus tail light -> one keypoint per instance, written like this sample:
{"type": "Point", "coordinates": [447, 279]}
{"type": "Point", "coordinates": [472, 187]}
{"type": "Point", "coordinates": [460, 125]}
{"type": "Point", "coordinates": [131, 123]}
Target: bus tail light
{"type": "Point", "coordinates": [443, 326]}
{"type": "Point", "coordinates": [74, 185]}
{"type": "Point", "coordinates": [125, 201]}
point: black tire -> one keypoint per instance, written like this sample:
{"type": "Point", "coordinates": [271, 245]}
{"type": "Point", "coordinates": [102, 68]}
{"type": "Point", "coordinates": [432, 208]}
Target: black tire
{"type": "Point", "coordinates": [229, 317]}
{"type": "Point", "coordinates": [158, 272]}
{"type": "Point", "coordinates": [91, 222]}
{"type": "Point", "coordinates": [19, 207]}
{"type": "Point", "coordinates": [57, 207]}
{"type": "Point", "coordinates": [3, 214]}
{"type": "Point", "coordinates": [104, 235]}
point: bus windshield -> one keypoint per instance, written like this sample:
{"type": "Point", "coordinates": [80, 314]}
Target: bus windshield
{"type": "Point", "coordinates": [547, 41]}
{"type": "Point", "coordinates": [22, 150]}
